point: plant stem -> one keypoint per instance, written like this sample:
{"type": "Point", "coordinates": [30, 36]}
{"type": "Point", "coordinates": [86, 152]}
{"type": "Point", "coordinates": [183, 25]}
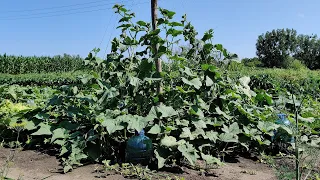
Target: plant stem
{"type": "Point", "coordinates": [296, 139]}
{"type": "Point", "coordinates": [297, 148]}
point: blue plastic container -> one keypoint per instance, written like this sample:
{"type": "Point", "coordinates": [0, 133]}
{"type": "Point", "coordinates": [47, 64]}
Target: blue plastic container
{"type": "Point", "coordinates": [139, 149]}
{"type": "Point", "coordinates": [282, 120]}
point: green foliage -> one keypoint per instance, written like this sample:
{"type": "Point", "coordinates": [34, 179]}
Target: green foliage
{"type": "Point", "coordinates": [43, 79]}
{"type": "Point", "coordinates": [122, 98]}
{"type": "Point", "coordinates": [18, 105]}
{"type": "Point", "coordinates": [252, 62]}
{"type": "Point", "coordinates": [273, 48]}
{"type": "Point", "coordinates": [235, 65]}
{"type": "Point", "coordinates": [203, 114]}
{"type": "Point", "coordinates": [279, 79]}
{"type": "Point", "coordinates": [43, 64]}
{"type": "Point", "coordinates": [306, 145]}
{"type": "Point", "coordinates": [285, 173]}
{"type": "Point", "coordinates": [296, 64]}
{"type": "Point", "coordinates": [308, 51]}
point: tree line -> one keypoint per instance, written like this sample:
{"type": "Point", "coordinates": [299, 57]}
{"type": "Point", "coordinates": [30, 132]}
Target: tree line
{"type": "Point", "coordinates": [283, 48]}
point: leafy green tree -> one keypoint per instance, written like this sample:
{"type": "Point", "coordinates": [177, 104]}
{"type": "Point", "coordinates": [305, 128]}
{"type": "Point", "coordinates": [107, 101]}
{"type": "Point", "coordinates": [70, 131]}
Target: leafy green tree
{"type": "Point", "coordinates": [308, 51]}
{"type": "Point", "coordinates": [274, 48]}
{"type": "Point", "coordinates": [252, 62]}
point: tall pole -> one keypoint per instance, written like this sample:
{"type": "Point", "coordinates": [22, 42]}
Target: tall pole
{"type": "Point", "coordinates": [154, 14]}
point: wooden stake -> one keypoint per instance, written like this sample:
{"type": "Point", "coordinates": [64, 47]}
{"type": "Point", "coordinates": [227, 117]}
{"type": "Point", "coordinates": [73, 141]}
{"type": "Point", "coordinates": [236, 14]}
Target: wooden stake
{"type": "Point", "coordinates": [154, 14]}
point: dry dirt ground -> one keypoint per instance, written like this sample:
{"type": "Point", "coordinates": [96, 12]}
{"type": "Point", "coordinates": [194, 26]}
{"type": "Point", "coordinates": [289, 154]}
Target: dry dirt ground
{"type": "Point", "coordinates": [32, 165]}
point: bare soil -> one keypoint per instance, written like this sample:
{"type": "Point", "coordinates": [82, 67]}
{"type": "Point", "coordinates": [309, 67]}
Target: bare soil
{"type": "Point", "coordinates": [32, 165]}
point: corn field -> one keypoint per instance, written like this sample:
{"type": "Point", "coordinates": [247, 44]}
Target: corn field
{"type": "Point", "coordinates": [43, 64]}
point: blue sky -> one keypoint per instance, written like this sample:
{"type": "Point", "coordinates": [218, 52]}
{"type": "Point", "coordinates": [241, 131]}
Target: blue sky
{"type": "Point", "coordinates": [26, 28]}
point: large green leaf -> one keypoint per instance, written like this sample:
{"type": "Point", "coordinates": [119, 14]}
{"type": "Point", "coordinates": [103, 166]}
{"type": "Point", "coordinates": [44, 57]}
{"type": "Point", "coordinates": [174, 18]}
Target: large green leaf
{"type": "Point", "coordinates": [232, 129]}
{"type": "Point", "coordinates": [188, 72]}
{"type": "Point", "coordinates": [195, 110]}
{"type": "Point", "coordinates": [160, 159]}
{"type": "Point", "coordinates": [59, 133]}
{"type": "Point", "coordinates": [12, 92]}
{"type": "Point", "coordinates": [175, 24]}
{"type": "Point", "coordinates": [194, 82]}
{"type": "Point", "coordinates": [30, 125]}
{"type": "Point", "coordinates": [209, 81]}
{"type": "Point", "coordinates": [250, 132]}
{"type": "Point", "coordinates": [165, 111]}
{"type": "Point", "coordinates": [226, 137]}
{"type": "Point", "coordinates": [245, 81]}
{"type": "Point", "coordinates": [245, 88]}
{"type": "Point", "coordinates": [200, 124]}
{"type": "Point", "coordinates": [218, 110]}
{"type": "Point", "coordinates": [198, 132]}
{"type": "Point", "coordinates": [134, 122]}
{"type": "Point", "coordinates": [68, 125]}
{"type": "Point", "coordinates": [156, 129]}
{"type": "Point", "coordinates": [125, 19]}
{"type": "Point", "coordinates": [45, 129]}
{"type": "Point", "coordinates": [142, 23]}
{"type": "Point", "coordinates": [169, 141]}
{"type": "Point", "coordinates": [315, 142]}
{"type": "Point", "coordinates": [111, 124]}
{"type": "Point", "coordinates": [308, 120]}
{"type": "Point", "coordinates": [210, 159]}
{"type": "Point", "coordinates": [182, 122]}
{"type": "Point", "coordinates": [167, 13]}
{"type": "Point", "coordinates": [208, 35]}
{"type": "Point", "coordinates": [267, 127]}
{"type": "Point", "coordinates": [42, 116]}
{"type": "Point", "coordinates": [189, 152]}
{"type": "Point", "coordinates": [174, 32]}
{"type": "Point", "coordinates": [186, 133]}
{"type": "Point", "coordinates": [134, 81]}
{"type": "Point", "coordinates": [213, 136]}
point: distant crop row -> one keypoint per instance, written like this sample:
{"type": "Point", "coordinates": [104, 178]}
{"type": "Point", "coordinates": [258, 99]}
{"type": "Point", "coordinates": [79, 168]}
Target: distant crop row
{"type": "Point", "coordinates": [292, 80]}
{"type": "Point", "coordinates": [43, 79]}
{"type": "Point", "coordinates": [44, 64]}
{"type": "Point", "coordinates": [261, 78]}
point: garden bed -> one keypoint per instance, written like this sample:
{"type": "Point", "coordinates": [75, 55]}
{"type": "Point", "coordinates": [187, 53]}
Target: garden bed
{"type": "Point", "coordinates": [37, 165]}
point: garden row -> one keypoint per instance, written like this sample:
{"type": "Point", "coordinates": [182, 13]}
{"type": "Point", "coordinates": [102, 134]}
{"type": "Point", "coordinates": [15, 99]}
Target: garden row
{"type": "Point", "coordinates": [41, 79]}
{"type": "Point", "coordinates": [261, 78]}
